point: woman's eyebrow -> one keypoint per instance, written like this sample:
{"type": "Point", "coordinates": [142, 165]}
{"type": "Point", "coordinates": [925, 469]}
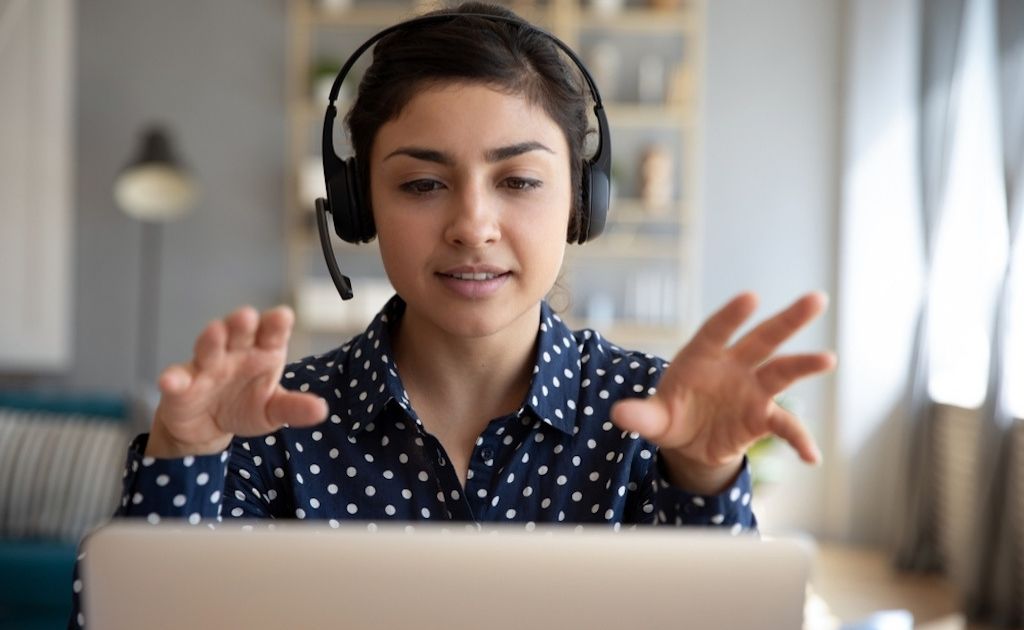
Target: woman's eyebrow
{"type": "Point", "coordinates": [492, 155]}
{"type": "Point", "coordinates": [504, 153]}
{"type": "Point", "coordinates": [419, 153]}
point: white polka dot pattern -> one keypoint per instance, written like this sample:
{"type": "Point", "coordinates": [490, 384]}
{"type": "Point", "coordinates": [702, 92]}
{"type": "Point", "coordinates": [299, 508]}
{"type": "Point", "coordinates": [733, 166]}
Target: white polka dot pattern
{"type": "Point", "coordinates": [373, 460]}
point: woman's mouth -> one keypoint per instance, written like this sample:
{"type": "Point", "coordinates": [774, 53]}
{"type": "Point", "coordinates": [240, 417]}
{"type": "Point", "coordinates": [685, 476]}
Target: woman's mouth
{"type": "Point", "coordinates": [473, 276]}
{"type": "Point", "coordinates": [474, 284]}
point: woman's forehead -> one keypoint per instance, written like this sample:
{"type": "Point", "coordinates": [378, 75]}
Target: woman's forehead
{"type": "Point", "coordinates": [475, 113]}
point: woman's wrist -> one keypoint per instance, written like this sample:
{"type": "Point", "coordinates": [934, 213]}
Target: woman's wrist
{"type": "Point", "coordinates": [698, 478]}
{"type": "Point", "coordinates": [162, 445]}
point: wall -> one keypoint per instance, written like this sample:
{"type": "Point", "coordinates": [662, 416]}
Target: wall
{"type": "Point", "coordinates": [770, 183]}
{"type": "Point", "coordinates": [215, 75]}
{"type": "Point", "coordinates": [881, 267]}
{"type": "Point", "coordinates": [771, 146]}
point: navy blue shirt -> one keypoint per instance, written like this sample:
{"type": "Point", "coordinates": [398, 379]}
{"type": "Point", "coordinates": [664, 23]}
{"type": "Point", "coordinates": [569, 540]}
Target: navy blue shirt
{"type": "Point", "coordinates": [558, 458]}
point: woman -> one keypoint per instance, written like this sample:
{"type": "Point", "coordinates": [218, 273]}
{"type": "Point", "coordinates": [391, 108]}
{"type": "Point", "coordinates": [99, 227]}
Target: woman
{"type": "Point", "coordinates": [467, 398]}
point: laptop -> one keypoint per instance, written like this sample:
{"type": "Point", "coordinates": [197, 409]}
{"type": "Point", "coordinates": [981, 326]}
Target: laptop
{"type": "Point", "coordinates": [434, 576]}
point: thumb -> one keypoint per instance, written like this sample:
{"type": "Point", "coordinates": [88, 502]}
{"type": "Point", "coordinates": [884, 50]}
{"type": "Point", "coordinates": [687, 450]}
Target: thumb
{"type": "Point", "coordinates": [295, 409]}
{"type": "Point", "coordinates": [648, 417]}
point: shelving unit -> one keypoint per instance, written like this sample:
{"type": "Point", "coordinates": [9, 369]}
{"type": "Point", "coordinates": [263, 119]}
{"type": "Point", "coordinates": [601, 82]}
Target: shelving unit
{"type": "Point", "coordinates": [637, 284]}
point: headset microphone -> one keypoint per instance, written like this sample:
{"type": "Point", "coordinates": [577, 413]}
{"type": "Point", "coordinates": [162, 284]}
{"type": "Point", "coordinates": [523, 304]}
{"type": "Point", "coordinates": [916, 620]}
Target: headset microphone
{"type": "Point", "coordinates": [353, 219]}
{"type": "Point", "coordinates": [341, 281]}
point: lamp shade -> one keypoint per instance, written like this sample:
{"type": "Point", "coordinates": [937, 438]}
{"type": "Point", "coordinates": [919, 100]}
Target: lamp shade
{"type": "Point", "coordinates": [155, 186]}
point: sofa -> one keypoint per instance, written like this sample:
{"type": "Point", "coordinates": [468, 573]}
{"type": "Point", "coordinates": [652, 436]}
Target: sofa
{"type": "Point", "coordinates": [61, 458]}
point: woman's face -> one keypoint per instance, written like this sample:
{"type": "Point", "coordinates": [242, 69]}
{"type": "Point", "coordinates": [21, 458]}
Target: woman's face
{"type": "Point", "coordinates": [471, 196]}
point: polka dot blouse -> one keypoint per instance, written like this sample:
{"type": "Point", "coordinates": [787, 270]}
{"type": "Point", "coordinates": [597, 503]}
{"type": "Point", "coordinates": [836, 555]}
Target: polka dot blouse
{"type": "Point", "coordinates": [558, 458]}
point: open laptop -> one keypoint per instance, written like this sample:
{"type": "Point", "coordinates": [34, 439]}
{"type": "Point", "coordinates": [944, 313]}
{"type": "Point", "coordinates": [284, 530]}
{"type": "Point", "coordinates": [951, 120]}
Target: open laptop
{"type": "Point", "coordinates": [432, 577]}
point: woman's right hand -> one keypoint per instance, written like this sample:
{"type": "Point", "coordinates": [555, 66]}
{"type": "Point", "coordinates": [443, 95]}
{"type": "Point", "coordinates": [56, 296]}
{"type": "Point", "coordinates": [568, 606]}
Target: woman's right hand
{"type": "Point", "coordinates": [231, 387]}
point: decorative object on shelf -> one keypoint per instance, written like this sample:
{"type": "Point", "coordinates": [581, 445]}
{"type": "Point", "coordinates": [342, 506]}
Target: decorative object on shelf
{"type": "Point", "coordinates": [650, 80]}
{"type": "Point", "coordinates": [666, 5]}
{"type": "Point", "coordinates": [317, 306]}
{"type": "Point", "coordinates": [321, 78]}
{"type": "Point", "coordinates": [154, 188]}
{"type": "Point", "coordinates": [656, 179]}
{"type": "Point", "coordinates": [605, 62]}
{"type": "Point", "coordinates": [681, 86]}
{"type": "Point", "coordinates": [600, 312]}
{"type": "Point", "coordinates": [311, 182]}
{"type": "Point", "coordinates": [335, 5]}
{"type": "Point", "coordinates": [652, 298]}
{"type": "Point", "coordinates": [607, 7]}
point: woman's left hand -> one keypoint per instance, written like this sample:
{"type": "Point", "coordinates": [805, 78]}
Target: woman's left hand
{"type": "Point", "coordinates": [715, 400]}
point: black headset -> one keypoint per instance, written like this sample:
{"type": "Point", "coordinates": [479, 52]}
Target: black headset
{"type": "Point", "coordinates": [353, 219]}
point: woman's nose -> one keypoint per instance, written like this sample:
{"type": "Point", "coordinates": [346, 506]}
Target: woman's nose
{"type": "Point", "coordinates": [474, 219]}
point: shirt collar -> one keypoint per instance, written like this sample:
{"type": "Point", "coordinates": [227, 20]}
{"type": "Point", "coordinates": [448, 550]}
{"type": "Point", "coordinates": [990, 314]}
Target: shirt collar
{"type": "Point", "coordinates": [555, 387]}
{"type": "Point", "coordinates": [371, 380]}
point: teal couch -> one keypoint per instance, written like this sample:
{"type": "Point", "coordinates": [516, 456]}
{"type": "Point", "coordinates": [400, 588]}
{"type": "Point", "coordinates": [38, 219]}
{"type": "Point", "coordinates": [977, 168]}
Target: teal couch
{"type": "Point", "coordinates": [60, 471]}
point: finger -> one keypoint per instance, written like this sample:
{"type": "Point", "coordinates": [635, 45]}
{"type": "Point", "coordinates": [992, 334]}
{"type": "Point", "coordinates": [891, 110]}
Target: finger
{"type": "Point", "coordinates": [778, 374]}
{"type": "Point", "coordinates": [242, 328]}
{"type": "Point", "coordinates": [786, 426]}
{"type": "Point", "coordinates": [209, 348]}
{"type": "Point", "coordinates": [715, 333]}
{"type": "Point", "coordinates": [275, 328]}
{"type": "Point", "coordinates": [174, 380]}
{"type": "Point", "coordinates": [762, 341]}
{"type": "Point", "coordinates": [296, 409]}
{"type": "Point", "coordinates": [648, 417]}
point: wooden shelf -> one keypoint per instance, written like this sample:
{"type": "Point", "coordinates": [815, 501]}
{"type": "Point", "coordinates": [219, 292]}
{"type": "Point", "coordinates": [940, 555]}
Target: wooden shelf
{"type": "Point", "coordinates": [641, 115]}
{"type": "Point", "coordinates": [642, 20]}
{"type": "Point", "coordinates": [636, 238]}
{"type": "Point", "coordinates": [358, 16]}
{"type": "Point", "coordinates": [625, 248]}
{"type": "Point", "coordinates": [627, 211]}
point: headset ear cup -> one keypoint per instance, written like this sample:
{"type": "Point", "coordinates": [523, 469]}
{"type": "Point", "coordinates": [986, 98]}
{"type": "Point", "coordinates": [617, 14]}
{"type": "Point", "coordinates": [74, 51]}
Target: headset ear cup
{"type": "Point", "coordinates": [361, 215]}
{"type": "Point", "coordinates": [340, 200]}
{"type": "Point", "coordinates": [598, 200]}
{"type": "Point", "coordinates": [579, 226]}
{"type": "Point", "coordinates": [353, 221]}
{"type": "Point", "coordinates": [595, 193]}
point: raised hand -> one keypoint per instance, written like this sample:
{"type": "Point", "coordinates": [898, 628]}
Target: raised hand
{"type": "Point", "coordinates": [230, 387]}
{"type": "Point", "coordinates": [715, 400]}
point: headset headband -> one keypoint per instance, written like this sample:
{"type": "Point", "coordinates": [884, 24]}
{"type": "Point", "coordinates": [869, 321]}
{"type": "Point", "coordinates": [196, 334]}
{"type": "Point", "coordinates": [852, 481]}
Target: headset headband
{"type": "Point", "coordinates": [600, 156]}
{"type": "Point", "coordinates": [596, 170]}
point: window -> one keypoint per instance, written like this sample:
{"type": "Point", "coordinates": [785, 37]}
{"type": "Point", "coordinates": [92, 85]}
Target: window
{"type": "Point", "coordinates": [971, 244]}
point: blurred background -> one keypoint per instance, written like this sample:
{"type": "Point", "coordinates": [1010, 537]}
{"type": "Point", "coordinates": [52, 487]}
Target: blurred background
{"type": "Point", "coordinates": [158, 163]}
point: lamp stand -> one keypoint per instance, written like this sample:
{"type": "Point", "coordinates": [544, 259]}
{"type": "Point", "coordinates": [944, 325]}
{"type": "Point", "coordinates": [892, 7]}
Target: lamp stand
{"type": "Point", "coordinates": [149, 303]}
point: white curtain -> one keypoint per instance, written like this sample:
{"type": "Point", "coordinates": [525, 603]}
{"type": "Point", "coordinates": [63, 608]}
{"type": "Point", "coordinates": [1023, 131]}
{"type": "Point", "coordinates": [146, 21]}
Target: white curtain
{"type": "Point", "coordinates": [932, 232]}
{"type": "Point", "coordinates": [996, 590]}
{"type": "Point", "coordinates": [36, 173]}
{"type": "Point", "coordinates": [939, 99]}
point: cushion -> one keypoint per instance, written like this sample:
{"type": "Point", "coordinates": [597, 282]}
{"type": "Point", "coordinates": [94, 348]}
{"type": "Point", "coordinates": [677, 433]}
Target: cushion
{"type": "Point", "coordinates": [59, 473]}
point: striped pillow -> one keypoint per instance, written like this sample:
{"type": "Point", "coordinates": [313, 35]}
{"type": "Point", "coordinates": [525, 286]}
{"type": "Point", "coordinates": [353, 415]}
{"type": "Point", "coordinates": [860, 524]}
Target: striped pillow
{"type": "Point", "coordinates": [60, 474]}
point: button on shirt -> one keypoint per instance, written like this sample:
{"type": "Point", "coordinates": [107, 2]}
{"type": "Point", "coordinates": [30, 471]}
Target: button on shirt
{"type": "Point", "coordinates": [558, 458]}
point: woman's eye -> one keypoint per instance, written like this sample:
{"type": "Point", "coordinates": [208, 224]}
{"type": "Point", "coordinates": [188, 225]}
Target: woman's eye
{"type": "Point", "coordinates": [522, 183]}
{"type": "Point", "coordinates": [421, 186]}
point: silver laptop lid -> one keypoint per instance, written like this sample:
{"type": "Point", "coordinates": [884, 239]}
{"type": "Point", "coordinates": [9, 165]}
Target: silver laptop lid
{"type": "Point", "coordinates": [432, 577]}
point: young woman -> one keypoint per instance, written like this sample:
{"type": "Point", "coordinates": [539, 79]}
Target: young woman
{"type": "Point", "coordinates": [467, 398]}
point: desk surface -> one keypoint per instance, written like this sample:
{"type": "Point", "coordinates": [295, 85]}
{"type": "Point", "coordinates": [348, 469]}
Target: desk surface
{"type": "Point", "coordinates": [852, 583]}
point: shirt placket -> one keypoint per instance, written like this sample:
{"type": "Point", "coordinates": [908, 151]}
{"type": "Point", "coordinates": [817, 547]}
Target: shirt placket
{"type": "Point", "coordinates": [450, 491]}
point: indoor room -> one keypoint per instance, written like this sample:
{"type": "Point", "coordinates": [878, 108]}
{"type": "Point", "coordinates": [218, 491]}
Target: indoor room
{"type": "Point", "coordinates": [836, 182]}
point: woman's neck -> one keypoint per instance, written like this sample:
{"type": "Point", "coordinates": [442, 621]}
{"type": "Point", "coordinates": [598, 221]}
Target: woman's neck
{"type": "Point", "coordinates": [457, 377]}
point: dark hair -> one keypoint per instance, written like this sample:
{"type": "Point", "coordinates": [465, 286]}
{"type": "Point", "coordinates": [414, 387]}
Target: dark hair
{"type": "Point", "coordinates": [499, 54]}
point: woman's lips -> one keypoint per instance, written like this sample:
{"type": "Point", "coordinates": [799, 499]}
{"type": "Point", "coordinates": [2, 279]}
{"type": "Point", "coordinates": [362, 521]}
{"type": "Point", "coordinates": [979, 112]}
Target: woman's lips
{"type": "Point", "coordinates": [474, 284]}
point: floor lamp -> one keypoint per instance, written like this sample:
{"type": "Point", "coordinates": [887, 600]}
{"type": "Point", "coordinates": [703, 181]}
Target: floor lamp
{"type": "Point", "coordinates": [154, 188]}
